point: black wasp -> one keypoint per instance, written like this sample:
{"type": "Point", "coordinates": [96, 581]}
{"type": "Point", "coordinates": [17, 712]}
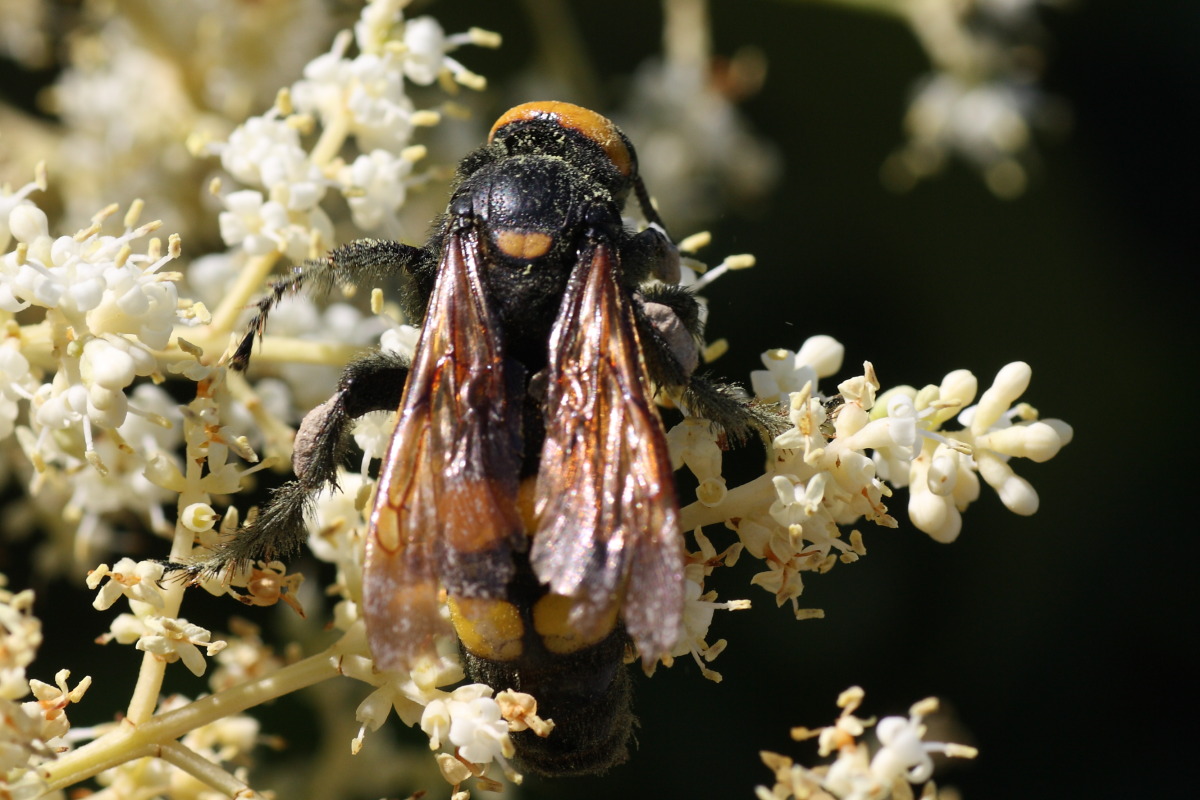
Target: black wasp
{"type": "Point", "coordinates": [528, 475]}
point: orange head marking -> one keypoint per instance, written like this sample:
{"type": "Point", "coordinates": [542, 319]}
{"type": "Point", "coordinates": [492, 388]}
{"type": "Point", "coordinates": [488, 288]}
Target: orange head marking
{"type": "Point", "coordinates": [599, 129]}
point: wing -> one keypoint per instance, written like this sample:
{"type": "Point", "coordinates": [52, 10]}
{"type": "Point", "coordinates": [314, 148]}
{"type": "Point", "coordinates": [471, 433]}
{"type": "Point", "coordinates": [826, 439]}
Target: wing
{"type": "Point", "coordinates": [608, 529]}
{"type": "Point", "coordinates": [445, 509]}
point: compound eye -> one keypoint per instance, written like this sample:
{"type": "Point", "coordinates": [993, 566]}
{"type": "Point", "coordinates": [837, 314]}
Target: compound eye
{"type": "Point", "coordinates": [663, 254]}
{"type": "Point", "coordinates": [666, 267]}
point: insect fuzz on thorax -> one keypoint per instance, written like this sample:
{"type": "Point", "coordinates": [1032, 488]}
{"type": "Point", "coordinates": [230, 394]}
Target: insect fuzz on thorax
{"type": "Point", "coordinates": [528, 479]}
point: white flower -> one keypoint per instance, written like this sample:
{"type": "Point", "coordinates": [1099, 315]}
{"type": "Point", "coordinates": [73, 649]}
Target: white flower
{"type": "Point", "coordinates": [99, 285]}
{"type": "Point", "coordinates": [407, 692]}
{"type": "Point", "coordinates": [365, 95]}
{"type": "Point", "coordinates": [787, 372]}
{"type": "Point", "coordinates": [15, 384]}
{"type": "Point", "coordinates": [693, 442]}
{"type": "Point", "coordinates": [50, 703]}
{"type": "Point", "coordinates": [20, 638]}
{"type": "Point", "coordinates": [373, 432]}
{"type": "Point", "coordinates": [996, 438]}
{"type": "Point", "coordinates": [854, 775]}
{"type": "Point", "coordinates": [261, 147]}
{"type": "Point", "coordinates": [782, 552]}
{"type": "Point", "coordinates": [380, 184]}
{"type": "Point", "coordinates": [10, 201]}
{"type": "Point", "coordinates": [427, 47]}
{"type": "Point", "coordinates": [400, 339]}
{"type": "Point", "coordinates": [170, 639]}
{"type": "Point", "coordinates": [903, 753]}
{"type": "Point", "coordinates": [381, 113]}
{"type": "Point", "coordinates": [138, 581]}
{"type": "Point", "coordinates": [259, 227]}
{"type": "Point", "coordinates": [471, 721]}
{"type": "Point", "coordinates": [697, 618]}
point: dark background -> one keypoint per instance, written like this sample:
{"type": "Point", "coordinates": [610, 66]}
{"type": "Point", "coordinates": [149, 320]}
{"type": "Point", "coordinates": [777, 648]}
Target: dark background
{"type": "Point", "coordinates": [1058, 640]}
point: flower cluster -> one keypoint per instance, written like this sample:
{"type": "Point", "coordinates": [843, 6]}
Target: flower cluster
{"type": "Point", "coordinates": [981, 102]}
{"type": "Point", "coordinates": [695, 145]}
{"type": "Point", "coordinates": [30, 732]}
{"type": "Point", "coordinates": [98, 314]}
{"type": "Point", "coordinates": [95, 321]}
{"type": "Point", "coordinates": [843, 454]}
{"type": "Point", "coordinates": [902, 757]}
{"type": "Point", "coordinates": [361, 99]}
{"type": "Point", "coordinates": [168, 638]}
{"type": "Point", "coordinates": [88, 319]}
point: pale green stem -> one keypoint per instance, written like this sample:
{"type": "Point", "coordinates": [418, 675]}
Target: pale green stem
{"type": "Point", "coordinates": [249, 283]}
{"type": "Point", "coordinates": [687, 36]}
{"type": "Point", "coordinates": [205, 771]}
{"type": "Point", "coordinates": [333, 136]}
{"type": "Point", "coordinates": [562, 48]}
{"type": "Point", "coordinates": [287, 350]}
{"type": "Point", "coordinates": [742, 501]}
{"type": "Point", "coordinates": [131, 740]}
{"type": "Point", "coordinates": [150, 676]}
{"type": "Point", "coordinates": [891, 8]}
{"type": "Point", "coordinates": [36, 343]}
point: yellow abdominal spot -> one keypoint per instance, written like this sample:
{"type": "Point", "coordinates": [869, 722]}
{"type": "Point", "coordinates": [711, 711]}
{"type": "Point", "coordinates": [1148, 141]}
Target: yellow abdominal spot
{"type": "Point", "coordinates": [490, 629]}
{"type": "Point", "coordinates": [550, 620]}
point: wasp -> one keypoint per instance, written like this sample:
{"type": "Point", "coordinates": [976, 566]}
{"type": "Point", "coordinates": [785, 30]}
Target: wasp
{"type": "Point", "coordinates": [528, 477]}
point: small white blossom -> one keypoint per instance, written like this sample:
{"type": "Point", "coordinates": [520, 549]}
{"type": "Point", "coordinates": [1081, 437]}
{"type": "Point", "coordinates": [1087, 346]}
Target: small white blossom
{"type": "Point", "coordinates": [259, 227]}
{"type": "Point", "coordinates": [138, 581]}
{"type": "Point", "coordinates": [16, 383]}
{"type": "Point", "coordinates": [698, 611]}
{"type": "Point", "coordinates": [787, 372]}
{"type": "Point", "coordinates": [171, 639]}
{"type": "Point", "coordinates": [400, 339]}
{"type": "Point", "coordinates": [372, 432]}
{"type": "Point", "coordinates": [782, 376]}
{"type": "Point", "coordinates": [20, 638]}
{"type": "Point", "coordinates": [903, 753]}
{"type": "Point", "coordinates": [407, 693]}
{"type": "Point", "coordinates": [427, 46]}
{"type": "Point", "coordinates": [470, 720]}
{"type": "Point", "coordinates": [693, 442]}
{"type": "Point", "coordinates": [999, 431]}
{"type": "Point", "coordinates": [50, 703]}
{"type": "Point", "coordinates": [365, 93]}
{"type": "Point", "coordinates": [94, 281]}
{"type": "Point", "coordinates": [379, 181]}
{"type": "Point", "coordinates": [855, 774]}
{"type": "Point", "coordinates": [259, 150]}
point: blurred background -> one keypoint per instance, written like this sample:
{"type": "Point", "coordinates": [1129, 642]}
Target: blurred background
{"type": "Point", "coordinates": [1058, 642]}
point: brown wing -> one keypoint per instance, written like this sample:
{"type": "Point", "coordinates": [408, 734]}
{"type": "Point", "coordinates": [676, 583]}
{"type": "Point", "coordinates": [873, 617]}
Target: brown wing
{"type": "Point", "coordinates": [608, 528]}
{"type": "Point", "coordinates": [445, 509]}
